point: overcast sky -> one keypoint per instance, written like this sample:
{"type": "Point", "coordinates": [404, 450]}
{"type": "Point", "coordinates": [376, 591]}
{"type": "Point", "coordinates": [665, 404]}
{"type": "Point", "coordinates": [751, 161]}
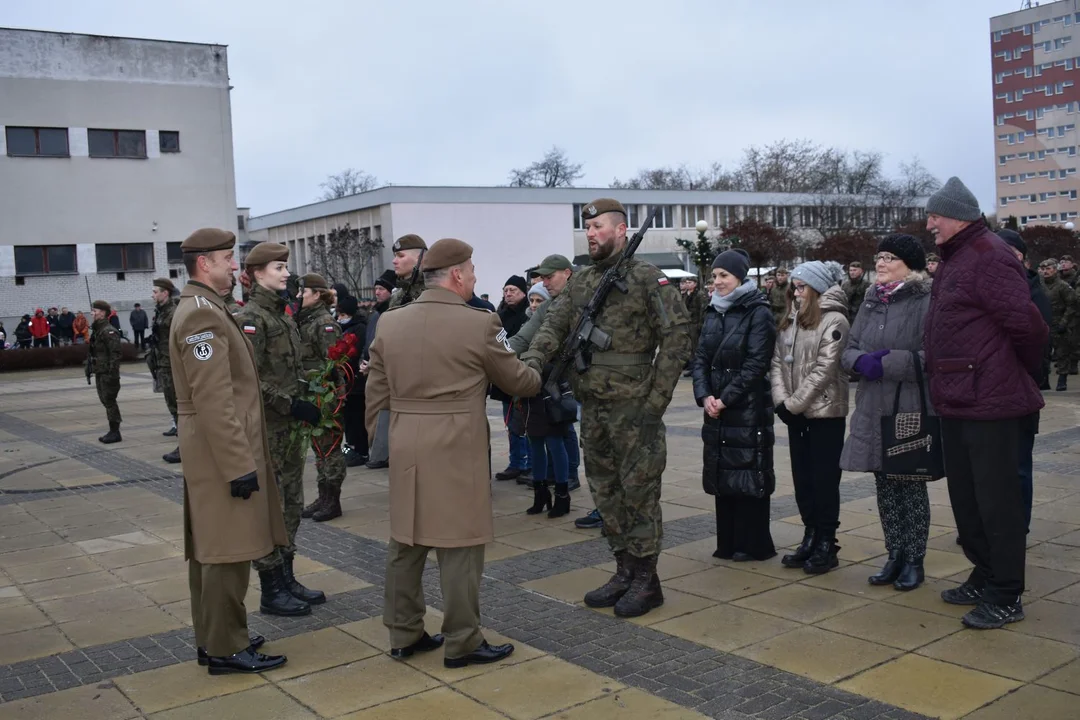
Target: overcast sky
{"type": "Point", "coordinates": [458, 93]}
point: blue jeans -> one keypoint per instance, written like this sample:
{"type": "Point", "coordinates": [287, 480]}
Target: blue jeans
{"type": "Point", "coordinates": [519, 445]}
{"type": "Point", "coordinates": [573, 450]}
{"type": "Point", "coordinates": [549, 448]}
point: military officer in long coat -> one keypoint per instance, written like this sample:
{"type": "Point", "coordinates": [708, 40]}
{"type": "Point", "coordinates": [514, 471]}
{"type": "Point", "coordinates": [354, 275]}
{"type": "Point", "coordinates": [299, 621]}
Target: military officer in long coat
{"type": "Point", "coordinates": [431, 363]}
{"type": "Point", "coordinates": [232, 513]}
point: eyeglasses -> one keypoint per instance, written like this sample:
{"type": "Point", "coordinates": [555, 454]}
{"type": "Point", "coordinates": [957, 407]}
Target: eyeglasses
{"type": "Point", "coordinates": [885, 258]}
{"type": "Point", "coordinates": [799, 288]}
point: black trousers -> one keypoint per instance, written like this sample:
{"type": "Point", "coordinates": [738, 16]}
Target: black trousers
{"type": "Point", "coordinates": [982, 462]}
{"type": "Point", "coordinates": [742, 525]}
{"type": "Point", "coordinates": [140, 340]}
{"type": "Point", "coordinates": [815, 465]}
{"type": "Point", "coordinates": [356, 435]}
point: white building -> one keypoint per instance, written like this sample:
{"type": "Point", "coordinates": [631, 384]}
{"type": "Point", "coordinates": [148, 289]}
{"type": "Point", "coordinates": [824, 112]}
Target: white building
{"type": "Point", "coordinates": [112, 150]}
{"type": "Point", "coordinates": [512, 228]}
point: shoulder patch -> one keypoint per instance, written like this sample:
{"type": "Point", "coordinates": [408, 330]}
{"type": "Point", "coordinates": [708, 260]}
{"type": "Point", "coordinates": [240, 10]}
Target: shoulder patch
{"type": "Point", "coordinates": [329, 328]}
{"type": "Point", "coordinates": [203, 351]}
{"type": "Point", "coordinates": [663, 280]}
{"type": "Point", "coordinates": [501, 336]}
{"type": "Point", "coordinates": [249, 329]}
{"type": "Point", "coordinates": [192, 339]}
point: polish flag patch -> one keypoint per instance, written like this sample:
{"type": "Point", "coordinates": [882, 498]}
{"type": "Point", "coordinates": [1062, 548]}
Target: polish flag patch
{"type": "Point", "coordinates": [662, 281]}
{"type": "Point", "coordinates": [329, 328]}
{"type": "Point", "coordinates": [249, 329]}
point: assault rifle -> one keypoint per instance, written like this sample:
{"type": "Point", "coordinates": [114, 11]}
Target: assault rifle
{"type": "Point", "coordinates": [413, 277]}
{"type": "Point", "coordinates": [89, 365]}
{"type": "Point", "coordinates": [585, 336]}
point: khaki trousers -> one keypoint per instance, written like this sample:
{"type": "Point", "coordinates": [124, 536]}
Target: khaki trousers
{"type": "Point", "coordinates": [217, 606]}
{"type": "Point", "coordinates": [460, 569]}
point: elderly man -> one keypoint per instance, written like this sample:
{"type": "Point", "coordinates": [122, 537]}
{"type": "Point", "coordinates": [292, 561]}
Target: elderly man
{"type": "Point", "coordinates": [408, 250]}
{"type": "Point", "coordinates": [431, 363]}
{"type": "Point", "coordinates": [232, 512]}
{"type": "Point", "coordinates": [984, 340]}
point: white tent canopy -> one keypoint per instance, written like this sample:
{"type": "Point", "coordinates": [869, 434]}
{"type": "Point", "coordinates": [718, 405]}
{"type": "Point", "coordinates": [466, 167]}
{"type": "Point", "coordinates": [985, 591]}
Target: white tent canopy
{"type": "Point", "coordinates": [676, 274]}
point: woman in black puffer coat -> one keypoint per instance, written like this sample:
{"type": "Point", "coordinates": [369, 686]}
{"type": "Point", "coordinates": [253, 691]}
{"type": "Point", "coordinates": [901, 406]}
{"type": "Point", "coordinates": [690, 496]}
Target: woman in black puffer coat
{"type": "Point", "coordinates": [730, 370]}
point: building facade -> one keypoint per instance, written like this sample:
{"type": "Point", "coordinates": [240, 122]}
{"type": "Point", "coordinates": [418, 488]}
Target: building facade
{"type": "Point", "coordinates": [1036, 66]}
{"type": "Point", "coordinates": [112, 150]}
{"type": "Point", "coordinates": [514, 228]}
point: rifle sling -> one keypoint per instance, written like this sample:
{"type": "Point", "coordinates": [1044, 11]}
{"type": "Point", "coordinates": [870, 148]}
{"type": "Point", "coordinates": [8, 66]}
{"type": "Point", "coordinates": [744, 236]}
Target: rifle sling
{"type": "Point", "coordinates": [612, 359]}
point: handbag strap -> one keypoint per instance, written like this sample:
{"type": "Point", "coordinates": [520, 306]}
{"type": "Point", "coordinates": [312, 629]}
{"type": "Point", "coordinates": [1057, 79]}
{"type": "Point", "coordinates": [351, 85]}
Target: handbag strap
{"type": "Point", "coordinates": [918, 380]}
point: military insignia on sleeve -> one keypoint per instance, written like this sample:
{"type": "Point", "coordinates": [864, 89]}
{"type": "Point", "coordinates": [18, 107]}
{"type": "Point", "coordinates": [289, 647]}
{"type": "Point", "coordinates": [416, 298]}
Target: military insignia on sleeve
{"type": "Point", "coordinates": [249, 329]}
{"type": "Point", "coordinates": [501, 338]}
{"type": "Point", "coordinates": [192, 339]}
{"type": "Point", "coordinates": [203, 351]}
{"type": "Point", "coordinates": [662, 281]}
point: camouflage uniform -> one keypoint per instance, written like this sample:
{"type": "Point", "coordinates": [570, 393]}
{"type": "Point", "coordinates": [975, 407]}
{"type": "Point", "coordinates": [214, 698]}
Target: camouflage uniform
{"type": "Point", "coordinates": [624, 394]}
{"type": "Point", "coordinates": [1063, 306]}
{"type": "Point", "coordinates": [318, 333]}
{"type": "Point", "coordinates": [163, 315]}
{"type": "Point", "coordinates": [276, 340]}
{"type": "Point", "coordinates": [105, 349]}
{"type": "Point", "coordinates": [778, 301]}
{"type": "Point", "coordinates": [855, 290]}
{"type": "Point", "coordinates": [407, 291]}
{"type": "Point", "coordinates": [696, 304]}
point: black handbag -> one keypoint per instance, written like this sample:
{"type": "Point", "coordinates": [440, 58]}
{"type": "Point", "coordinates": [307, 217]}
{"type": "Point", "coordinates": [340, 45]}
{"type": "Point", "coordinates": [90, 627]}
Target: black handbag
{"type": "Point", "coordinates": [911, 441]}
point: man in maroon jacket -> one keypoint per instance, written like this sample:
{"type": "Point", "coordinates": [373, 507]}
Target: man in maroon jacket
{"type": "Point", "coordinates": [984, 338]}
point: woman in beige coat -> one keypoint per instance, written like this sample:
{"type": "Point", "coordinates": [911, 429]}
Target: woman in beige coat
{"type": "Point", "coordinates": [810, 390]}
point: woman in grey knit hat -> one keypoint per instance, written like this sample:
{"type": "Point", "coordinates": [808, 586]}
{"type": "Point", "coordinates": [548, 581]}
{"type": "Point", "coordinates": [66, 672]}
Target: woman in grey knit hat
{"type": "Point", "coordinates": [810, 390]}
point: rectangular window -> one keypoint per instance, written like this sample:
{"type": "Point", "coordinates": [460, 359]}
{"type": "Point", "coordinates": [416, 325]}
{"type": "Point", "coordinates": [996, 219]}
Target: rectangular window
{"type": "Point", "coordinates": [117, 143]}
{"type": "Point", "coordinates": [725, 215]}
{"type": "Point", "coordinates": [37, 142]}
{"type": "Point", "coordinates": [810, 216]}
{"type": "Point", "coordinates": [781, 216]}
{"type": "Point", "coordinates": [665, 217]}
{"type": "Point", "coordinates": [579, 224]}
{"type": "Point", "coordinates": [240, 222]}
{"type": "Point", "coordinates": [169, 141]}
{"type": "Point", "coordinates": [632, 220]}
{"type": "Point", "coordinates": [1004, 201]}
{"type": "Point", "coordinates": [693, 213]}
{"type": "Point", "coordinates": [173, 252]}
{"type": "Point", "coordinates": [118, 257]}
{"type": "Point", "coordinates": [44, 259]}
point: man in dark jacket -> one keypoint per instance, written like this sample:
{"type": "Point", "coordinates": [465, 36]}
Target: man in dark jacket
{"type": "Point", "coordinates": [66, 319]}
{"type": "Point", "coordinates": [379, 453]}
{"type": "Point", "coordinates": [984, 338]}
{"type": "Point", "coordinates": [512, 313]}
{"type": "Point", "coordinates": [139, 323]}
{"type": "Point", "coordinates": [356, 438]}
{"type": "Point", "coordinates": [1042, 377]}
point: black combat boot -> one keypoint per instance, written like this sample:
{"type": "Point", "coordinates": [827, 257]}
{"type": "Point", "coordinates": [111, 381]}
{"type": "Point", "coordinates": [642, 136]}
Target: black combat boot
{"type": "Point", "coordinates": [541, 498]}
{"type": "Point", "coordinates": [609, 593]}
{"type": "Point", "coordinates": [113, 436]}
{"type": "Point", "coordinates": [823, 557]}
{"type": "Point", "coordinates": [331, 507]}
{"type": "Point", "coordinates": [1063, 383]}
{"type": "Point", "coordinates": [171, 432]}
{"type": "Point", "coordinates": [172, 457]}
{"type": "Point", "coordinates": [276, 598]}
{"type": "Point", "coordinates": [644, 593]}
{"type": "Point", "coordinates": [315, 505]}
{"type": "Point", "coordinates": [298, 591]}
{"type": "Point", "coordinates": [802, 553]}
{"type": "Point", "coordinates": [890, 571]}
{"type": "Point", "coordinates": [562, 502]}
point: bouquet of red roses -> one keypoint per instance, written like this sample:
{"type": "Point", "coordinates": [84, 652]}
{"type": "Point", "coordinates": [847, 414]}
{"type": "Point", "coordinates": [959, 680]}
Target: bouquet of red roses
{"type": "Point", "coordinates": [327, 388]}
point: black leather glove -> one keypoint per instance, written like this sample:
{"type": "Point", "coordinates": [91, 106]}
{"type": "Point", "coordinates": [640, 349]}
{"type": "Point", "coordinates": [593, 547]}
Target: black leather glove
{"type": "Point", "coordinates": [305, 411]}
{"type": "Point", "coordinates": [784, 414]}
{"type": "Point", "coordinates": [243, 487]}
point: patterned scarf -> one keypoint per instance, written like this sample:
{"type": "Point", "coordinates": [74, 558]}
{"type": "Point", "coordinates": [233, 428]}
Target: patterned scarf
{"type": "Point", "coordinates": [886, 292]}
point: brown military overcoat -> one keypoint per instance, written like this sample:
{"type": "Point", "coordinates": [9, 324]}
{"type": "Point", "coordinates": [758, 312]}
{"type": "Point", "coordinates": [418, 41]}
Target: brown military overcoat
{"type": "Point", "coordinates": [431, 363]}
{"type": "Point", "coordinates": [222, 434]}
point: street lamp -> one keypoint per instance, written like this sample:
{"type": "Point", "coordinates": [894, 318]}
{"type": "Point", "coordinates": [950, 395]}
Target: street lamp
{"type": "Point", "coordinates": [702, 226]}
{"type": "Point", "coordinates": [1069, 226]}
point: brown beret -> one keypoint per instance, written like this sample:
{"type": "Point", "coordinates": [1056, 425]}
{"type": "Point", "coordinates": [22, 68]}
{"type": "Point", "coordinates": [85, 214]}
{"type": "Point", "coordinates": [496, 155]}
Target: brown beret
{"type": "Point", "coordinates": [315, 281]}
{"type": "Point", "coordinates": [208, 240]}
{"type": "Point", "coordinates": [409, 242]}
{"type": "Point", "coordinates": [164, 284]}
{"type": "Point", "coordinates": [101, 305]}
{"type": "Point", "coordinates": [601, 206]}
{"type": "Point", "coordinates": [933, 258]}
{"type": "Point", "coordinates": [445, 253]}
{"type": "Point", "coordinates": [1049, 262]}
{"type": "Point", "coordinates": [266, 252]}
{"type": "Point", "coordinates": [855, 264]}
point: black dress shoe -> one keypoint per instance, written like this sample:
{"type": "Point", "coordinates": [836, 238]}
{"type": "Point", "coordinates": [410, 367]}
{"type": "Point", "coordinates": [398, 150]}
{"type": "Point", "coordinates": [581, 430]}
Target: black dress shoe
{"type": "Point", "coordinates": [426, 643]}
{"type": "Point", "coordinates": [245, 661]}
{"type": "Point", "coordinates": [377, 464]}
{"type": "Point", "coordinates": [171, 432]}
{"type": "Point", "coordinates": [173, 457]}
{"type": "Point", "coordinates": [257, 642]}
{"type": "Point", "coordinates": [481, 655]}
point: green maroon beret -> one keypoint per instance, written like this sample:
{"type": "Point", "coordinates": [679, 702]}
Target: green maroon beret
{"type": "Point", "coordinates": [601, 206]}
{"type": "Point", "coordinates": [208, 240]}
{"type": "Point", "coordinates": [409, 242]}
{"type": "Point", "coordinates": [446, 253]}
{"type": "Point", "coordinates": [265, 253]}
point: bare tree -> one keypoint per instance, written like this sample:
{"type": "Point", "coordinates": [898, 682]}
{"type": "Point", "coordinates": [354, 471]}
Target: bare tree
{"type": "Point", "coordinates": [346, 255]}
{"type": "Point", "coordinates": [679, 178]}
{"type": "Point", "coordinates": [554, 170]}
{"type": "Point", "coordinates": [347, 182]}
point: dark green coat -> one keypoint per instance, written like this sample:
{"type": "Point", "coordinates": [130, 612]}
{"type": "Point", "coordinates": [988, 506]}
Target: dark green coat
{"type": "Point", "coordinates": [105, 349]}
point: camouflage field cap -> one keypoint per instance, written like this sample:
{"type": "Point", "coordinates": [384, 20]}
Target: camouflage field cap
{"type": "Point", "coordinates": [101, 305]}
{"type": "Point", "coordinates": [409, 242]}
{"type": "Point", "coordinates": [446, 253]}
{"type": "Point", "coordinates": [601, 206]}
{"type": "Point", "coordinates": [1067, 258]}
{"type": "Point", "coordinates": [783, 269]}
{"type": "Point", "coordinates": [208, 240]}
{"type": "Point", "coordinates": [1049, 262]}
{"type": "Point", "coordinates": [315, 281]}
{"type": "Point", "coordinates": [855, 264]}
{"type": "Point", "coordinates": [164, 284]}
{"type": "Point", "coordinates": [553, 263]}
{"type": "Point", "coordinates": [266, 252]}
{"type": "Point", "coordinates": [932, 258]}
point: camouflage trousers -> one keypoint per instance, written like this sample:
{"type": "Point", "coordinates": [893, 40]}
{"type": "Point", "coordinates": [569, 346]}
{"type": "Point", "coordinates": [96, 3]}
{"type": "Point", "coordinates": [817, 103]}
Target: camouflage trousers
{"type": "Point", "coordinates": [165, 379]}
{"type": "Point", "coordinates": [287, 458]}
{"type": "Point", "coordinates": [108, 387]}
{"type": "Point", "coordinates": [331, 468]}
{"type": "Point", "coordinates": [624, 474]}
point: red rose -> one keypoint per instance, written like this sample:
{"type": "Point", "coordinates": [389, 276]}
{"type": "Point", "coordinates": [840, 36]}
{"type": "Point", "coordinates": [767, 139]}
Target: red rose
{"type": "Point", "coordinates": [350, 339]}
{"type": "Point", "coordinates": [353, 353]}
{"type": "Point", "coordinates": [334, 353]}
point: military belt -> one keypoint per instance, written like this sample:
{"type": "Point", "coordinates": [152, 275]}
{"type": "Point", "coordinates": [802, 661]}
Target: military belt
{"type": "Point", "coordinates": [611, 359]}
{"type": "Point", "coordinates": [416, 406]}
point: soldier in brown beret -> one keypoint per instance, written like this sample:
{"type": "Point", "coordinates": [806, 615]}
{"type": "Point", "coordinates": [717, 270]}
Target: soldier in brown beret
{"type": "Point", "coordinates": [232, 513]}
{"type": "Point", "coordinates": [408, 250]}
{"type": "Point", "coordinates": [431, 364]}
{"type": "Point", "coordinates": [105, 354]}
{"type": "Point", "coordinates": [158, 359]}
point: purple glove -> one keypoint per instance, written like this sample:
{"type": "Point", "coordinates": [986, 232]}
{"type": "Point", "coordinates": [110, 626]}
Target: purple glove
{"type": "Point", "coordinates": [869, 365]}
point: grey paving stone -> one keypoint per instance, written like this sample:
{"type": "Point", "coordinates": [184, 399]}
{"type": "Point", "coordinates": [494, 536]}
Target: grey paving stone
{"type": "Point", "coordinates": [759, 703]}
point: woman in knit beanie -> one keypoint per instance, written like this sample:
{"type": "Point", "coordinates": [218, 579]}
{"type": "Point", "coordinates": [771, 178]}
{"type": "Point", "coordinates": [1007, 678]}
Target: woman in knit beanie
{"type": "Point", "coordinates": [810, 390]}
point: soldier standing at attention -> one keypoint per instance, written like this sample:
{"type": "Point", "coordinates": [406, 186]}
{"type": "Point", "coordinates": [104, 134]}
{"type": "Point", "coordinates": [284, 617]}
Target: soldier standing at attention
{"type": "Point", "coordinates": [1063, 309]}
{"type": "Point", "coordinates": [232, 514]}
{"type": "Point", "coordinates": [105, 351]}
{"type": "Point", "coordinates": [778, 293]}
{"type": "Point", "coordinates": [624, 394]}
{"type": "Point", "coordinates": [165, 302]}
{"type": "Point", "coordinates": [696, 304]}
{"type": "Point", "coordinates": [276, 340]}
{"type": "Point", "coordinates": [318, 333]}
{"type": "Point", "coordinates": [855, 288]}
{"type": "Point", "coordinates": [410, 281]}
